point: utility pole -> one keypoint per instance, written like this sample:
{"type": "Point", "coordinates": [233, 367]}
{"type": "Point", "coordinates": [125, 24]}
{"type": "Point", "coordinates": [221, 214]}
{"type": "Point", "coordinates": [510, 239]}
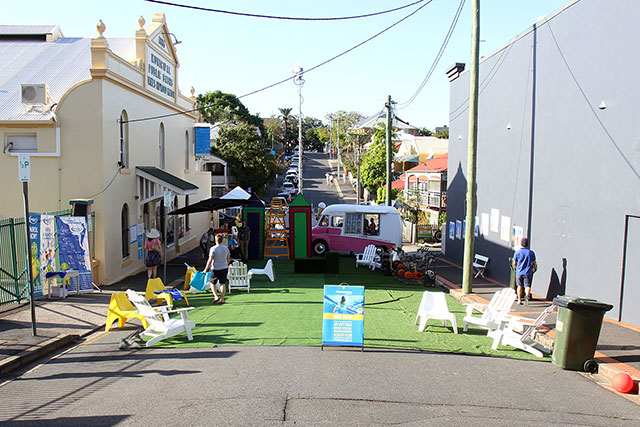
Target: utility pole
{"type": "Point", "coordinates": [338, 147]}
{"type": "Point", "coordinates": [471, 202]}
{"type": "Point", "coordinates": [299, 81]}
{"type": "Point", "coordinates": [387, 197]}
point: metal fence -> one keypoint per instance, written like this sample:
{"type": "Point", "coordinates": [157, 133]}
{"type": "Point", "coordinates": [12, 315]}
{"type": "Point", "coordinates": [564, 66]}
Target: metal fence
{"type": "Point", "coordinates": [14, 285]}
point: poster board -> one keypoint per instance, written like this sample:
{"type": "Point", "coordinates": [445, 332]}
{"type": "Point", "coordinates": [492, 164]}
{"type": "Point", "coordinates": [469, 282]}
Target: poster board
{"type": "Point", "coordinates": [343, 315]}
{"type": "Point", "coordinates": [73, 249]}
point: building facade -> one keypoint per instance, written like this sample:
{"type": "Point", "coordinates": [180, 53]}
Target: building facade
{"type": "Point", "coordinates": [558, 157]}
{"type": "Point", "coordinates": [111, 126]}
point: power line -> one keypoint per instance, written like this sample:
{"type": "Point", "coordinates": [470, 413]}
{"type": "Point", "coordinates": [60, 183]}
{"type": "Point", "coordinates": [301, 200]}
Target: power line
{"type": "Point", "coordinates": [286, 18]}
{"type": "Point", "coordinates": [307, 71]}
{"type": "Point", "coordinates": [436, 60]}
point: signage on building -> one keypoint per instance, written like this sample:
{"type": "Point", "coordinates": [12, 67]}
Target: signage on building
{"type": "Point", "coordinates": [203, 140]}
{"type": "Point", "coordinates": [160, 74]}
{"type": "Point", "coordinates": [24, 167]}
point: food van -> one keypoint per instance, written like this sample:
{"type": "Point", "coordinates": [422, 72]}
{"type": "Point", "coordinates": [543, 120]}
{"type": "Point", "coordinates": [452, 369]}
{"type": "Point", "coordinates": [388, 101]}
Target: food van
{"type": "Point", "coordinates": [350, 228]}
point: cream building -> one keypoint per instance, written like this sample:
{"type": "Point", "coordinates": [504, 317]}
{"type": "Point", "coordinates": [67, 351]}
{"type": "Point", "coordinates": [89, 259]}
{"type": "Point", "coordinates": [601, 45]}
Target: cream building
{"type": "Point", "coordinates": [102, 119]}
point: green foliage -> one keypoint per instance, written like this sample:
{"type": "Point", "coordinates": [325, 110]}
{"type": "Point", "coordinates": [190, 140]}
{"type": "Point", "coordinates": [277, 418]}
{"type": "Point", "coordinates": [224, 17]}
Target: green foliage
{"type": "Point", "coordinates": [443, 134]}
{"type": "Point", "coordinates": [425, 132]}
{"type": "Point", "coordinates": [410, 210]}
{"type": "Point", "coordinates": [373, 169]}
{"type": "Point", "coordinates": [247, 155]}
{"type": "Point", "coordinates": [442, 219]}
{"type": "Point", "coordinates": [218, 107]}
{"type": "Point", "coordinates": [382, 194]}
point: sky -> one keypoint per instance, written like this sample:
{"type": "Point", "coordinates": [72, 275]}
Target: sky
{"type": "Point", "coordinates": [239, 55]}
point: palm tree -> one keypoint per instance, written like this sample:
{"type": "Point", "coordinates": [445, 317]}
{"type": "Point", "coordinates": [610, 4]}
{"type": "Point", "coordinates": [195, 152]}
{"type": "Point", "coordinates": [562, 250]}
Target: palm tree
{"type": "Point", "coordinates": [285, 118]}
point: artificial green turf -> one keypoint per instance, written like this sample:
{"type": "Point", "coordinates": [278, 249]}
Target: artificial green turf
{"type": "Point", "coordinates": [289, 312]}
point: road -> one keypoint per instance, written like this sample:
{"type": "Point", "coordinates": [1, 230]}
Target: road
{"type": "Point", "coordinates": [314, 188]}
{"type": "Point", "coordinates": [97, 384]}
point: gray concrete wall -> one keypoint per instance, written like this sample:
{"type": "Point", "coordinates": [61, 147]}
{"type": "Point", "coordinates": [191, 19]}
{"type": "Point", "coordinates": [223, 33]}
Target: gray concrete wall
{"type": "Point", "coordinates": [585, 172]}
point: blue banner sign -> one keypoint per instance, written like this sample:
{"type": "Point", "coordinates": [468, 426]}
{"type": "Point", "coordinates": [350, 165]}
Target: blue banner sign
{"type": "Point", "coordinates": [343, 315]}
{"type": "Point", "coordinates": [73, 246]}
{"type": "Point", "coordinates": [203, 141]}
{"type": "Point", "coordinates": [34, 247]}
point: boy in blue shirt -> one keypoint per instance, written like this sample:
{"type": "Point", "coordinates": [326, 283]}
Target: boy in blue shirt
{"type": "Point", "coordinates": [524, 262]}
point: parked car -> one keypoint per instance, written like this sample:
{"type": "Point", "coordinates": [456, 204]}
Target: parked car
{"type": "Point", "coordinates": [348, 228]}
{"type": "Point", "coordinates": [292, 170]}
{"type": "Point", "coordinates": [291, 177]}
{"type": "Point", "coordinates": [289, 187]}
{"type": "Point", "coordinates": [285, 195]}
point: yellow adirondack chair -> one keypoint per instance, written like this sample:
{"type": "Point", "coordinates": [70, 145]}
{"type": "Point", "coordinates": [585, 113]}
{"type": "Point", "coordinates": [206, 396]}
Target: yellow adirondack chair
{"type": "Point", "coordinates": [156, 285]}
{"type": "Point", "coordinates": [121, 309]}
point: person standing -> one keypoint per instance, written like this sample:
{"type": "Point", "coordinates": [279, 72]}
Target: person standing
{"type": "Point", "coordinates": [244, 235]}
{"type": "Point", "coordinates": [524, 262]}
{"type": "Point", "coordinates": [154, 253]}
{"type": "Point", "coordinates": [218, 262]}
{"type": "Point", "coordinates": [206, 241]}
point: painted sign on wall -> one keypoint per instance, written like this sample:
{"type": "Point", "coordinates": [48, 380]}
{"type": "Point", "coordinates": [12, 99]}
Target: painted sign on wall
{"type": "Point", "coordinates": [160, 74]}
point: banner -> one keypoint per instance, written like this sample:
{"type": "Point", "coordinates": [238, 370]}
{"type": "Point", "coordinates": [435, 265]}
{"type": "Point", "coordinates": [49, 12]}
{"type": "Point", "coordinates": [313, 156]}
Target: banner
{"type": "Point", "coordinates": [73, 247]}
{"type": "Point", "coordinates": [34, 247]}
{"type": "Point", "coordinates": [343, 315]}
{"type": "Point", "coordinates": [47, 244]}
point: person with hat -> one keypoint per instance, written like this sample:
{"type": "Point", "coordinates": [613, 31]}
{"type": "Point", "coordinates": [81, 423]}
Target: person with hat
{"type": "Point", "coordinates": [154, 253]}
{"type": "Point", "coordinates": [524, 262]}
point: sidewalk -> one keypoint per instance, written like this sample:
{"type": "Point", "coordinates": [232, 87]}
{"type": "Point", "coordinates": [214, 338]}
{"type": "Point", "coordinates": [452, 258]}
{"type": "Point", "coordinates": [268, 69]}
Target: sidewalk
{"type": "Point", "coordinates": [64, 321]}
{"type": "Point", "coordinates": [618, 347]}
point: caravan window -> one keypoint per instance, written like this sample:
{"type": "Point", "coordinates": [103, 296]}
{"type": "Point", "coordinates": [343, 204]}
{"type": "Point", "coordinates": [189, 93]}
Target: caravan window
{"type": "Point", "coordinates": [324, 221]}
{"type": "Point", "coordinates": [372, 225]}
{"type": "Point", "coordinates": [353, 224]}
{"type": "Point", "coordinates": [336, 221]}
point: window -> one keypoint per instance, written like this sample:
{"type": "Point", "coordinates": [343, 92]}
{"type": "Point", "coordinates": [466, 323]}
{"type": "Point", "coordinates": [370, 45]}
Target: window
{"type": "Point", "coordinates": [353, 224]}
{"type": "Point", "coordinates": [123, 162]}
{"type": "Point", "coordinates": [336, 221]}
{"type": "Point", "coordinates": [124, 231]}
{"type": "Point", "coordinates": [161, 146]}
{"type": "Point", "coordinates": [21, 143]}
{"type": "Point", "coordinates": [371, 224]}
{"type": "Point", "coordinates": [186, 149]}
{"type": "Point", "coordinates": [324, 221]}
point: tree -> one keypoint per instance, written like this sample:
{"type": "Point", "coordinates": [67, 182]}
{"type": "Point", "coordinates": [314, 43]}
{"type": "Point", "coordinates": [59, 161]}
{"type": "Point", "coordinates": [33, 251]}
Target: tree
{"type": "Point", "coordinates": [285, 112]}
{"type": "Point", "coordinates": [247, 154]}
{"type": "Point", "coordinates": [342, 122]}
{"type": "Point", "coordinates": [242, 139]}
{"type": "Point", "coordinates": [373, 170]}
{"type": "Point", "coordinates": [443, 134]}
{"type": "Point", "coordinates": [425, 132]}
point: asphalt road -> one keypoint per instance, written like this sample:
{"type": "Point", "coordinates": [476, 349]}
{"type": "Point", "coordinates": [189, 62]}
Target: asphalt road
{"type": "Point", "coordinates": [97, 384]}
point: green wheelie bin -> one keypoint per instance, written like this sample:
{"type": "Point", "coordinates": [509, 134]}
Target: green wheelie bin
{"type": "Point", "coordinates": [577, 331]}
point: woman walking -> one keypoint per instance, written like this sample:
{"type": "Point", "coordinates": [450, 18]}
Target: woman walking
{"type": "Point", "coordinates": [154, 253]}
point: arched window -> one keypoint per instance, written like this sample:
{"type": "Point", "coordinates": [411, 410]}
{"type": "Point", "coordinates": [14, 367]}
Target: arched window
{"type": "Point", "coordinates": [161, 145]}
{"type": "Point", "coordinates": [124, 228]}
{"type": "Point", "coordinates": [123, 162]}
{"type": "Point", "coordinates": [186, 149]}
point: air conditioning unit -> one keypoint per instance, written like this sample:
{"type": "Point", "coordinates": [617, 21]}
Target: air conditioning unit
{"type": "Point", "coordinates": [33, 94]}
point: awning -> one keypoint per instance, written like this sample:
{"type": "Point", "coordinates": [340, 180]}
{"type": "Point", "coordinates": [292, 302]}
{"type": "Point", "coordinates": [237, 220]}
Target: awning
{"type": "Point", "coordinates": [410, 158]}
{"type": "Point", "coordinates": [166, 180]}
{"type": "Point", "coordinates": [212, 204]}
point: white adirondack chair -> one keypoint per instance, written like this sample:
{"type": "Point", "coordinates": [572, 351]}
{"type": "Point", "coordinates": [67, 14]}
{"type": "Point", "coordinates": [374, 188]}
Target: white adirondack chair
{"type": "Point", "coordinates": [434, 306]}
{"type": "Point", "coordinates": [494, 315]}
{"type": "Point", "coordinates": [525, 340]}
{"type": "Point", "coordinates": [161, 326]}
{"type": "Point", "coordinates": [238, 277]}
{"type": "Point", "coordinates": [368, 257]}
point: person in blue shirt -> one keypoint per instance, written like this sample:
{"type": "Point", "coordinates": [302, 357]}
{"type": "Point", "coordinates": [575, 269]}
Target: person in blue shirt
{"type": "Point", "coordinates": [524, 262]}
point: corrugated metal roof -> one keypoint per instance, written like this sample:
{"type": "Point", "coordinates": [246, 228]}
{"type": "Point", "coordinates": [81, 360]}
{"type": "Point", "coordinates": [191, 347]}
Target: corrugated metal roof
{"type": "Point", "coordinates": [60, 65]}
{"type": "Point", "coordinates": [28, 29]}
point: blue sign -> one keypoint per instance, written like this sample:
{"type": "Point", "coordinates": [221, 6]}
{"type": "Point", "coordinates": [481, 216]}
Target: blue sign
{"type": "Point", "coordinates": [203, 141]}
{"type": "Point", "coordinates": [73, 246]}
{"type": "Point", "coordinates": [34, 247]}
{"type": "Point", "coordinates": [343, 315]}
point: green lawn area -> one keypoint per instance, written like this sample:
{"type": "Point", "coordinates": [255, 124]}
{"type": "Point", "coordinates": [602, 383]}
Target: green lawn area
{"type": "Point", "coordinates": [289, 312]}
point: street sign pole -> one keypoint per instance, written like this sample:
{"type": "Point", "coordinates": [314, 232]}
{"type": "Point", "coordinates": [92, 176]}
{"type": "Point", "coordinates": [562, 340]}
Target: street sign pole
{"type": "Point", "coordinates": [24, 173]}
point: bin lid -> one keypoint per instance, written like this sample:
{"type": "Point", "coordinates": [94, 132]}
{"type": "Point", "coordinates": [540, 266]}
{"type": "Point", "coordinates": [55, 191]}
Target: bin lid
{"type": "Point", "coordinates": [581, 303]}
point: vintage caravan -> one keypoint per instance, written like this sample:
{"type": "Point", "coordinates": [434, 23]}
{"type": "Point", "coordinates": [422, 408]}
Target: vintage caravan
{"type": "Point", "coordinates": [350, 228]}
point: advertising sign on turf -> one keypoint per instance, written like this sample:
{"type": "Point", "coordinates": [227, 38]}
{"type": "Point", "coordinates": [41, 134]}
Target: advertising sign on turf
{"type": "Point", "coordinates": [343, 315]}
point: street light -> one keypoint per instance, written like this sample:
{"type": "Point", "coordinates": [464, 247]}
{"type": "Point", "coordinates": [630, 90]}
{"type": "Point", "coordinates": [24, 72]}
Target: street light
{"type": "Point", "coordinates": [299, 81]}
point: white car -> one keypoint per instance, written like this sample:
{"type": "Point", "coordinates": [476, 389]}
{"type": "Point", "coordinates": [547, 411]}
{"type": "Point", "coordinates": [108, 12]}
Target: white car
{"type": "Point", "coordinates": [289, 187]}
{"type": "Point", "coordinates": [292, 171]}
